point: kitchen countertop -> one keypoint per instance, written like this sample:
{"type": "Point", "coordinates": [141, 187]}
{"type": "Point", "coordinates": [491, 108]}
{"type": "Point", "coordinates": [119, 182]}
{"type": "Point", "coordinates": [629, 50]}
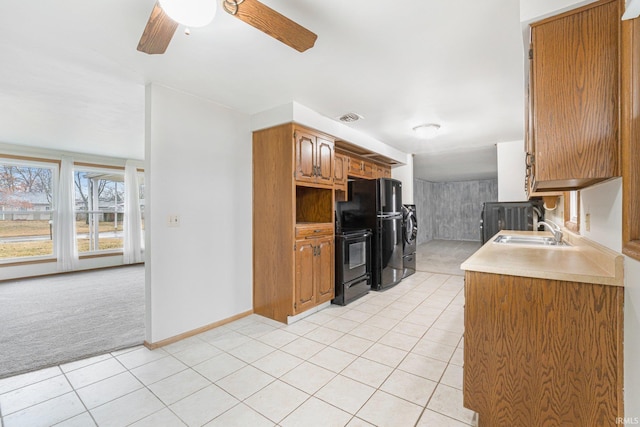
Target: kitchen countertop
{"type": "Point", "coordinates": [583, 261]}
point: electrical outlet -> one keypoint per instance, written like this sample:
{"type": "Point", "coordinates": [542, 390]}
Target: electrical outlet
{"type": "Point", "coordinates": [173, 221]}
{"type": "Point", "coordinates": [587, 222]}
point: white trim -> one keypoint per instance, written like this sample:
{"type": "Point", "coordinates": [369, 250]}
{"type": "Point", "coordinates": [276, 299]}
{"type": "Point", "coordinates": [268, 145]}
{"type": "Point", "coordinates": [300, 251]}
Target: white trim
{"type": "Point", "coordinates": [632, 10]}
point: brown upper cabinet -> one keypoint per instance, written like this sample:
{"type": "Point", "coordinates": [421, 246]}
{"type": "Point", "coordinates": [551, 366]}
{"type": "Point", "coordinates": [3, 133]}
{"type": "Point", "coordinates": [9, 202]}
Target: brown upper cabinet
{"type": "Point", "coordinates": [314, 157]}
{"type": "Point", "coordinates": [631, 138]}
{"type": "Point", "coordinates": [360, 168]}
{"type": "Point", "coordinates": [574, 98]}
{"type": "Point", "coordinates": [356, 167]}
{"type": "Point", "coordinates": [382, 171]}
{"type": "Point", "coordinates": [341, 166]}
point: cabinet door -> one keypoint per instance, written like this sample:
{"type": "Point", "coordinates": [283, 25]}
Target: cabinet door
{"type": "Point", "coordinates": [381, 171]}
{"type": "Point", "coordinates": [367, 169]}
{"type": "Point", "coordinates": [340, 171]}
{"type": "Point", "coordinates": [575, 88]}
{"type": "Point", "coordinates": [305, 284]}
{"type": "Point", "coordinates": [355, 167]}
{"type": "Point", "coordinates": [324, 270]}
{"type": "Point", "coordinates": [324, 161]}
{"type": "Point", "coordinates": [305, 156]}
{"type": "Point", "coordinates": [528, 137]}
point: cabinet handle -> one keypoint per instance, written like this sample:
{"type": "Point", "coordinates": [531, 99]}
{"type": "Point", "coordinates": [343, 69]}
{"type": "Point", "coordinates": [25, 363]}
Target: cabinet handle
{"type": "Point", "coordinates": [530, 160]}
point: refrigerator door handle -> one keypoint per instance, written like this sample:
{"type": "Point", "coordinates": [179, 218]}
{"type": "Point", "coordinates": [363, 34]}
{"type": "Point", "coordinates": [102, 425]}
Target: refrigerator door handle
{"type": "Point", "coordinates": [390, 216]}
{"type": "Point", "coordinates": [380, 213]}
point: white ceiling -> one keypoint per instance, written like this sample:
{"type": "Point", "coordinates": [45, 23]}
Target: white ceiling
{"type": "Point", "coordinates": [72, 79]}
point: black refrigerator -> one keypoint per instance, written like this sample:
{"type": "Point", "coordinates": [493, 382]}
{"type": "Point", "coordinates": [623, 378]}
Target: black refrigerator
{"type": "Point", "coordinates": [376, 204]}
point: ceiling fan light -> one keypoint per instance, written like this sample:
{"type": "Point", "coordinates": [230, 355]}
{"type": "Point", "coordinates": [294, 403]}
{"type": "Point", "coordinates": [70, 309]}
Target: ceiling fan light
{"type": "Point", "coordinates": [190, 13]}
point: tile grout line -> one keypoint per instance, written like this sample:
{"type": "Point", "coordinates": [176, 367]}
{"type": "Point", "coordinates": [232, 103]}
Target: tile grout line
{"type": "Point", "coordinates": [255, 338]}
{"type": "Point", "coordinates": [75, 391]}
{"type": "Point", "coordinates": [334, 376]}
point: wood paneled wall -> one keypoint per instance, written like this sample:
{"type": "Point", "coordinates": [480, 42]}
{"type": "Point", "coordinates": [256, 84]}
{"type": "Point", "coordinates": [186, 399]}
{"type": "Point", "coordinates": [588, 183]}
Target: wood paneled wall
{"type": "Point", "coordinates": [451, 210]}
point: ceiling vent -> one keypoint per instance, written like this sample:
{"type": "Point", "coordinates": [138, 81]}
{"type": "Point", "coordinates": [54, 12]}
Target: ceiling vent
{"type": "Point", "coordinates": [350, 117]}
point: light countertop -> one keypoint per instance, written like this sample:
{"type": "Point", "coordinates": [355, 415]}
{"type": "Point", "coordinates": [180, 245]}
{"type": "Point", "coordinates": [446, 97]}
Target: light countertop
{"type": "Point", "coordinates": [583, 261]}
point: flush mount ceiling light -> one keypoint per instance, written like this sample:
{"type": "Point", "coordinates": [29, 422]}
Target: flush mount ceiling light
{"type": "Point", "coordinates": [350, 117]}
{"type": "Point", "coordinates": [190, 13]}
{"type": "Point", "coordinates": [632, 11]}
{"type": "Point", "coordinates": [427, 130]}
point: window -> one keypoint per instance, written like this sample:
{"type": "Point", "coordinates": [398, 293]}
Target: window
{"type": "Point", "coordinates": [26, 208]}
{"type": "Point", "coordinates": [99, 207]}
{"type": "Point", "coordinates": [572, 211]}
{"type": "Point", "coordinates": [29, 190]}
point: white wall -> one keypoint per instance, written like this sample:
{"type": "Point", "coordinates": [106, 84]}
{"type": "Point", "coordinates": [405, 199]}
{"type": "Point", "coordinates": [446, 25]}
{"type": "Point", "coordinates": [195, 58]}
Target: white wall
{"type": "Point", "coordinates": [298, 113]}
{"type": "Point", "coordinates": [404, 173]}
{"type": "Point", "coordinates": [534, 10]}
{"type": "Point", "coordinates": [604, 203]}
{"type": "Point", "coordinates": [511, 171]}
{"type": "Point", "coordinates": [198, 166]}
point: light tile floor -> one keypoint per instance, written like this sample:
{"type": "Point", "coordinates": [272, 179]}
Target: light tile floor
{"type": "Point", "coordinates": [392, 358]}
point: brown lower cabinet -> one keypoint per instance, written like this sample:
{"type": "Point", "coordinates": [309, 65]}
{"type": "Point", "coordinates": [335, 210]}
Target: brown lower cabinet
{"type": "Point", "coordinates": [314, 272]}
{"type": "Point", "coordinates": [541, 352]}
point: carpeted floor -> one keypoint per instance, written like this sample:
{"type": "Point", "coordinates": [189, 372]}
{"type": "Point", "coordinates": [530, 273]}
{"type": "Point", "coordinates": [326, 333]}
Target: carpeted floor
{"type": "Point", "coordinates": [49, 320]}
{"type": "Point", "coordinates": [444, 256]}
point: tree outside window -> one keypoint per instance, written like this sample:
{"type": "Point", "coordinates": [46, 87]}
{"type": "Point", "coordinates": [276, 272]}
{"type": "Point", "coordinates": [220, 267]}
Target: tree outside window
{"type": "Point", "coordinates": [26, 209]}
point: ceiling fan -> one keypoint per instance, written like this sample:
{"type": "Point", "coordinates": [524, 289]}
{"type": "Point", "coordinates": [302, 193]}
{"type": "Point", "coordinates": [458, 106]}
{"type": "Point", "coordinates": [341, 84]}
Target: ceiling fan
{"type": "Point", "coordinates": [168, 14]}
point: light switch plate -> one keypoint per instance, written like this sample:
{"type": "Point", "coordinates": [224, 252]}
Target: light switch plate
{"type": "Point", "coordinates": [587, 222]}
{"type": "Point", "coordinates": [173, 221]}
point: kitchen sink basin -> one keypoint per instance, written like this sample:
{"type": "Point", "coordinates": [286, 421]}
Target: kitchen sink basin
{"type": "Point", "coordinates": [528, 240]}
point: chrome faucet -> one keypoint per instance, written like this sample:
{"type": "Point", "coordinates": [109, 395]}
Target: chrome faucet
{"type": "Point", "coordinates": [554, 229]}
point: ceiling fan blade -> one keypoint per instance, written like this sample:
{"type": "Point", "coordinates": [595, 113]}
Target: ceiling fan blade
{"type": "Point", "coordinates": [158, 32]}
{"type": "Point", "coordinates": [272, 23]}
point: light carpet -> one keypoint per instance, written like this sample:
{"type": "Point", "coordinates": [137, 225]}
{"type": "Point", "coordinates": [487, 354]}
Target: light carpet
{"type": "Point", "coordinates": [56, 319]}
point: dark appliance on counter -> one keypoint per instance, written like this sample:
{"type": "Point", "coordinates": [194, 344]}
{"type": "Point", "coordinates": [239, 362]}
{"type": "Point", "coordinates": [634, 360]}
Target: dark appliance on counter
{"type": "Point", "coordinates": [353, 265]}
{"type": "Point", "coordinates": [409, 236]}
{"type": "Point", "coordinates": [376, 204]}
{"type": "Point", "coordinates": [498, 216]}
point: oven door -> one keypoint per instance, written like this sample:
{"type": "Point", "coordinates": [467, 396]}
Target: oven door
{"type": "Point", "coordinates": [356, 256]}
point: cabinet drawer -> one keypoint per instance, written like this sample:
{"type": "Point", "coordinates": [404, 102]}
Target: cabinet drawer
{"type": "Point", "coordinates": [313, 230]}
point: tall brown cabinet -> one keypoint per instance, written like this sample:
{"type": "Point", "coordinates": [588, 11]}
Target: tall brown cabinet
{"type": "Point", "coordinates": [293, 224]}
{"type": "Point", "coordinates": [574, 98]}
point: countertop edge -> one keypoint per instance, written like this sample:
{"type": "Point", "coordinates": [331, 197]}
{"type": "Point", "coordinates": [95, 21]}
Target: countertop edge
{"type": "Point", "coordinates": [610, 263]}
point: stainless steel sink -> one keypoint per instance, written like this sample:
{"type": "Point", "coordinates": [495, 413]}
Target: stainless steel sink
{"type": "Point", "coordinates": [528, 240]}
